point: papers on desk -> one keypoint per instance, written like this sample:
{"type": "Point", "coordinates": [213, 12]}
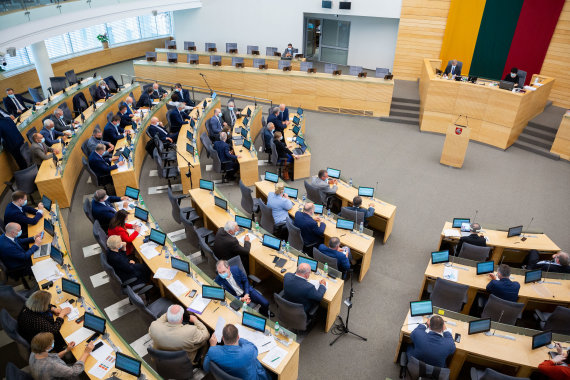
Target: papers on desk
{"type": "Point", "coordinates": [79, 336]}
{"type": "Point", "coordinates": [450, 274]}
{"type": "Point", "coordinates": [315, 283]}
{"type": "Point", "coordinates": [144, 229]}
{"type": "Point", "coordinates": [451, 233]}
{"type": "Point", "coordinates": [103, 352]}
{"type": "Point", "coordinates": [199, 304]}
{"type": "Point", "coordinates": [260, 340]}
{"type": "Point", "coordinates": [165, 273]}
{"type": "Point", "coordinates": [413, 322]}
{"type": "Point", "coordinates": [289, 139]}
{"type": "Point", "coordinates": [252, 237]}
{"type": "Point", "coordinates": [149, 250]}
{"type": "Point", "coordinates": [101, 368]}
{"type": "Point", "coordinates": [123, 168]}
{"type": "Point", "coordinates": [274, 357]}
{"type": "Point", "coordinates": [46, 270]}
{"type": "Point", "coordinates": [177, 288]}
{"type": "Point", "coordinates": [119, 206]}
{"type": "Point", "coordinates": [74, 314]}
{"type": "Point", "coordinates": [219, 328]}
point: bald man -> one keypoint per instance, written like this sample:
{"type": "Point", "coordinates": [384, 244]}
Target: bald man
{"type": "Point", "coordinates": [297, 288]}
{"type": "Point", "coordinates": [13, 255]}
{"type": "Point", "coordinates": [157, 128]}
{"type": "Point", "coordinates": [284, 114]}
{"type": "Point", "coordinates": [40, 150]}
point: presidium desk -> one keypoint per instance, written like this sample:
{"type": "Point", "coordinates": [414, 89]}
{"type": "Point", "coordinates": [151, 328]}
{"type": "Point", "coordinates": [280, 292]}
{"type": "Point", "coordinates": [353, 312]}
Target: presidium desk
{"type": "Point", "coordinates": [495, 117]}
{"type": "Point", "coordinates": [318, 91]}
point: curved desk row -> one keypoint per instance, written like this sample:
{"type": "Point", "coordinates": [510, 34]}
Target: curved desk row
{"type": "Point", "coordinates": [247, 159]}
{"type": "Point", "coordinates": [302, 164]}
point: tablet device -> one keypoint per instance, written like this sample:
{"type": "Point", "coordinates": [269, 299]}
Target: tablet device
{"type": "Point", "coordinates": [56, 255]}
{"type": "Point", "coordinates": [271, 242]}
{"type": "Point", "coordinates": [190, 148]}
{"type": "Point", "coordinates": [532, 276]}
{"type": "Point", "coordinates": [95, 323]}
{"type": "Point", "coordinates": [189, 135]}
{"type": "Point", "coordinates": [48, 227]}
{"type": "Point", "coordinates": [46, 202]}
{"type": "Point", "coordinates": [296, 129]}
{"type": "Point", "coordinates": [345, 224]}
{"type": "Point", "coordinates": [157, 236]}
{"type": "Point", "coordinates": [541, 339]}
{"type": "Point", "coordinates": [305, 260]}
{"type": "Point", "coordinates": [132, 193]}
{"type": "Point", "coordinates": [485, 267]}
{"type": "Point", "coordinates": [479, 326]}
{"type": "Point", "coordinates": [141, 214]}
{"type": "Point", "coordinates": [221, 203]}
{"type": "Point", "coordinates": [253, 321]}
{"type": "Point", "coordinates": [247, 144]}
{"type": "Point", "coordinates": [319, 209]}
{"type": "Point", "coordinates": [181, 265]}
{"type": "Point", "coordinates": [206, 185]}
{"type": "Point", "coordinates": [333, 173]}
{"type": "Point", "coordinates": [243, 222]}
{"type": "Point", "coordinates": [366, 191]}
{"type": "Point", "coordinates": [271, 177]}
{"type": "Point", "coordinates": [419, 308]}
{"type": "Point", "coordinates": [213, 292]}
{"type": "Point", "coordinates": [514, 231]}
{"type": "Point", "coordinates": [439, 257]}
{"type": "Point", "coordinates": [128, 364]}
{"type": "Point", "coordinates": [457, 222]}
{"type": "Point", "coordinates": [70, 287]}
{"type": "Point", "coordinates": [291, 192]}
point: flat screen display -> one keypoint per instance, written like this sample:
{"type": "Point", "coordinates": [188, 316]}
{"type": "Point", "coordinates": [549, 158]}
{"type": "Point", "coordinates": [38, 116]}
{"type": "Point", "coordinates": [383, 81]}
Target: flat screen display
{"type": "Point", "coordinates": [418, 308]}
{"type": "Point", "coordinates": [366, 191]}
{"type": "Point", "coordinates": [56, 255]}
{"type": "Point", "coordinates": [271, 242]}
{"type": "Point", "coordinates": [514, 231]}
{"type": "Point", "coordinates": [127, 364]}
{"type": "Point", "coordinates": [296, 120]}
{"type": "Point", "coordinates": [333, 173]}
{"type": "Point", "coordinates": [247, 144]}
{"type": "Point", "coordinates": [48, 227]}
{"type": "Point", "coordinates": [319, 209]}
{"type": "Point", "coordinates": [243, 222]}
{"type": "Point", "coordinates": [221, 203]}
{"type": "Point", "coordinates": [141, 214]}
{"type": "Point", "coordinates": [244, 133]}
{"type": "Point", "coordinates": [457, 222]}
{"type": "Point", "coordinates": [291, 192]}
{"type": "Point", "coordinates": [541, 339]}
{"type": "Point", "coordinates": [46, 202]}
{"type": "Point", "coordinates": [305, 260]}
{"type": "Point", "coordinates": [479, 326]}
{"type": "Point", "coordinates": [345, 224]}
{"type": "Point", "coordinates": [157, 236]}
{"type": "Point", "coordinates": [181, 265]}
{"type": "Point", "coordinates": [189, 134]}
{"type": "Point", "coordinates": [95, 323]}
{"type": "Point", "coordinates": [296, 129]}
{"type": "Point", "coordinates": [190, 148]}
{"type": "Point", "coordinates": [485, 267]}
{"type": "Point", "coordinates": [271, 177]}
{"type": "Point", "coordinates": [532, 276]}
{"type": "Point", "coordinates": [299, 111]}
{"type": "Point", "coordinates": [70, 287]}
{"type": "Point", "coordinates": [253, 321]}
{"type": "Point", "coordinates": [213, 292]}
{"type": "Point", "coordinates": [206, 185]}
{"type": "Point", "coordinates": [132, 193]}
{"type": "Point", "coordinates": [439, 257]}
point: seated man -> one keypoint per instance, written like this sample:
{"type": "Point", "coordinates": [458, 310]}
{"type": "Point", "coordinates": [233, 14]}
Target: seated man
{"type": "Point", "coordinates": [312, 230]}
{"type": "Point", "coordinates": [227, 156]}
{"type": "Point", "coordinates": [434, 347]}
{"type": "Point", "coordinates": [513, 76]}
{"type": "Point", "coordinates": [15, 103]}
{"type": "Point", "coordinates": [501, 285]}
{"type": "Point", "coordinates": [96, 139]}
{"type": "Point", "coordinates": [125, 119]}
{"type": "Point", "coordinates": [234, 281]}
{"type": "Point", "coordinates": [102, 166]}
{"type": "Point", "coordinates": [59, 121]}
{"type": "Point", "coordinates": [237, 357]}
{"type": "Point", "coordinates": [13, 255]}
{"type": "Point", "coordinates": [12, 140]}
{"type": "Point", "coordinates": [341, 254]}
{"type": "Point", "coordinates": [357, 207]}
{"type": "Point", "coordinates": [177, 117]}
{"type": "Point", "coordinates": [231, 114]}
{"type": "Point", "coordinates": [113, 131]}
{"type": "Point", "coordinates": [102, 207]}
{"type": "Point", "coordinates": [124, 267]}
{"type": "Point", "coordinates": [168, 333]}
{"type": "Point", "coordinates": [321, 181]}
{"type": "Point", "coordinates": [130, 106]}
{"type": "Point", "coordinates": [145, 100]}
{"type": "Point", "coordinates": [184, 96]}
{"type": "Point", "coordinates": [216, 125]}
{"type": "Point", "coordinates": [560, 262]}
{"type": "Point", "coordinates": [288, 53]}
{"type": "Point", "coordinates": [284, 114]}
{"type": "Point", "coordinates": [280, 204]}
{"type": "Point", "coordinates": [40, 151]}
{"type": "Point", "coordinates": [227, 246]}
{"type": "Point", "coordinates": [17, 212]}
{"type": "Point", "coordinates": [175, 99]}
{"type": "Point", "coordinates": [452, 68]}
{"type": "Point", "coordinates": [157, 92]}
{"type": "Point", "coordinates": [51, 135]}
{"type": "Point", "coordinates": [473, 238]}
{"type": "Point", "coordinates": [297, 288]}
{"type": "Point", "coordinates": [156, 128]}
{"type": "Point", "coordinates": [274, 118]}
{"type": "Point", "coordinates": [102, 92]}
{"type": "Point", "coordinates": [268, 137]}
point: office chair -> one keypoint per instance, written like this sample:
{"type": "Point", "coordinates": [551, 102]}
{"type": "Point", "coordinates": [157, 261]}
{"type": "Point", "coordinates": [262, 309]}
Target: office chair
{"type": "Point", "coordinates": [268, 151]}
{"type": "Point", "coordinates": [2, 226]}
{"type": "Point", "coordinates": [220, 374]}
{"type": "Point", "coordinates": [72, 77]}
{"type": "Point", "coordinates": [491, 374]}
{"type": "Point", "coordinates": [314, 194]}
{"type": "Point", "coordinates": [231, 46]}
{"type": "Point", "coordinates": [236, 261]}
{"type": "Point", "coordinates": [269, 50]}
{"type": "Point", "coordinates": [112, 84]}
{"type": "Point", "coordinates": [170, 44]}
{"type": "Point", "coordinates": [94, 178]}
{"type": "Point", "coordinates": [11, 300]}
{"type": "Point", "coordinates": [248, 202]}
{"type": "Point", "coordinates": [556, 321]}
{"type": "Point", "coordinates": [110, 116]}
{"type": "Point", "coordinates": [251, 48]}
{"type": "Point", "coordinates": [356, 216]}
{"type": "Point", "coordinates": [100, 235]}
{"type": "Point", "coordinates": [507, 311]}
{"type": "Point", "coordinates": [266, 222]}
{"type": "Point", "coordinates": [32, 131]}
{"type": "Point", "coordinates": [207, 143]}
{"type": "Point", "coordinates": [87, 210]}
{"type": "Point", "coordinates": [175, 203]}
{"type": "Point", "coordinates": [321, 257]}
{"type": "Point", "coordinates": [172, 364]}
{"type": "Point", "coordinates": [295, 238]}
{"type": "Point", "coordinates": [26, 152]}
{"type": "Point", "coordinates": [80, 103]}
{"type": "Point", "coordinates": [84, 148]}
{"type": "Point", "coordinates": [275, 160]}
{"type": "Point", "coordinates": [15, 373]}
{"type": "Point", "coordinates": [449, 295]}
{"type": "Point", "coordinates": [155, 309]}
{"type": "Point", "coordinates": [17, 274]}
{"type": "Point", "coordinates": [167, 155]}
{"type": "Point", "coordinates": [24, 180]}
{"type": "Point", "coordinates": [36, 95]}
{"type": "Point", "coordinates": [292, 315]}
{"type": "Point", "coordinates": [381, 72]}
{"type": "Point", "coordinates": [118, 285]}
{"type": "Point", "coordinates": [208, 253]}
{"type": "Point", "coordinates": [10, 327]}
{"type": "Point", "coordinates": [474, 252]}
{"type": "Point", "coordinates": [193, 233]}
{"type": "Point", "coordinates": [192, 58]}
{"type": "Point", "coordinates": [189, 44]}
{"type": "Point", "coordinates": [66, 111]}
{"type": "Point", "coordinates": [522, 77]}
{"type": "Point", "coordinates": [93, 93]}
{"type": "Point", "coordinates": [220, 166]}
{"type": "Point", "coordinates": [165, 172]}
{"type": "Point", "coordinates": [417, 369]}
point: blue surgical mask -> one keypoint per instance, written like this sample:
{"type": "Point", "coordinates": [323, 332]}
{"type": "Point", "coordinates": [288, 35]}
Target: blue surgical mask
{"type": "Point", "coordinates": [12, 96]}
{"type": "Point", "coordinates": [513, 75]}
{"type": "Point", "coordinates": [52, 346]}
{"type": "Point", "coordinates": [43, 140]}
{"type": "Point", "coordinates": [19, 234]}
{"type": "Point", "coordinates": [224, 275]}
{"type": "Point", "coordinates": [25, 203]}
{"type": "Point", "coordinates": [61, 117]}
{"type": "Point", "coordinates": [231, 108]}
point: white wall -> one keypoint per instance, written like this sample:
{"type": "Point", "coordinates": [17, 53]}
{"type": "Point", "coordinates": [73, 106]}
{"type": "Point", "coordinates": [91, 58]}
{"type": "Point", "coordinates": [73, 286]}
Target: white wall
{"type": "Point", "coordinates": [373, 31]}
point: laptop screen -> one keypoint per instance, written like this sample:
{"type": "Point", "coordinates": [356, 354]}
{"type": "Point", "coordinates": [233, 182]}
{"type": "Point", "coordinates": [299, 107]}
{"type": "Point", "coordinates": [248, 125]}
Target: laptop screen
{"type": "Point", "coordinates": [70, 287]}
{"type": "Point", "coordinates": [296, 129]}
{"type": "Point", "coordinates": [190, 148]}
{"type": "Point", "coordinates": [457, 222]}
{"type": "Point", "coordinates": [532, 276]}
{"type": "Point", "coordinates": [48, 227]}
{"type": "Point", "coordinates": [127, 364]}
{"type": "Point", "coordinates": [296, 120]}
{"type": "Point", "coordinates": [291, 192]}
{"type": "Point", "coordinates": [485, 267]}
{"type": "Point", "coordinates": [418, 308]}
{"type": "Point", "coordinates": [206, 185]}
{"type": "Point", "coordinates": [345, 224]}
{"type": "Point", "coordinates": [271, 242]}
{"type": "Point", "coordinates": [271, 177]}
{"type": "Point", "coordinates": [95, 323]}
{"type": "Point", "coordinates": [248, 112]}
{"type": "Point", "coordinates": [132, 193]}
{"type": "Point", "coordinates": [243, 222]}
{"type": "Point", "coordinates": [479, 326]}
{"type": "Point", "coordinates": [439, 257]}
{"type": "Point", "coordinates": [126, 152]}
{"type": "Point", "coordinates": [366, 191]}
{"type": "Point", "coordinates": [245, 121]}
{"type": "Point", "coordinates": [300, 140]}
{"type": "Point", "coordinates": [319, 209]}
{"type": "Point", "coordinates": [247, 144]}
{"type": "Point", "coordinates": [515, 231]}
{"type": "Point", "coordinates": [189, 135]}
{"type": "Point", "coordinates": [141, 214]}
{"type": "Point", "coordinates": [213, 292]}
{"type": "Point", "coordinates": [181, 265]}
{"type": "Point", "coordinates": [221, 203]}
{"type": "Point", "coordinates": [253, 321]}
{"type": "Point", "coordinates": [333, 173]}
{"type": "Point", "coordinates": [244, 133]}
{"type": "Point", "coordinates": [541, 339]}
{"type": "Point", "coordinates": [157, 236]}
{"type": "Point", "coordinates": [56, 255]}
{"type": "Point", "coordinates": [299, 111]}
{"type": "Point", "coordinates": [305, 260]}
{"type": "Point", "coordinates": [46, 202]}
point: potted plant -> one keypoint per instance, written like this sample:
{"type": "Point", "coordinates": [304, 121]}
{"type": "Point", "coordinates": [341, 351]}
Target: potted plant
{"type": "Point", "coordinates": [104, 40]}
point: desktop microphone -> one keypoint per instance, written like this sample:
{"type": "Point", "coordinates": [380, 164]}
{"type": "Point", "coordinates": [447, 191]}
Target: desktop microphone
{"type": "Point", "coordinates": [499, 321]}
{"type": "Point", "coordinates": [95, 74]}
{"type": "Point", "coordinates": [475, 217]}
{"type": "Point", "coordinates": [524, 237]}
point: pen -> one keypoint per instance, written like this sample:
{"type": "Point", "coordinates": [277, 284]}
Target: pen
{"type": "Point", "coordinates": [275, 359]}
{"type": "Point", "coordinates": [265, 344]}
{"type": "Point", "coordinates": [216, 309]}
{"type": "Point", "coordinates": [187, 293]}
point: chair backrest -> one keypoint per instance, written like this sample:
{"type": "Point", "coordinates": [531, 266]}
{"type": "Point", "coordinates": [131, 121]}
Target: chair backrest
{"type": "Point", "coordinates": [258, 62]}
{"type": "Point", "coordinates": [115, 280]}
{"type": "Point", "coordinates": [269, 50]}
{"type": "Point", "coordinates": [175, 206]}
{"type": "Point", "coordinates": [15, 373]}
{"type": "Point", "coordinates": [85, 149]}
{"type": "Point", "coordinates": [230, 46]}
{"type": "Point", "coordinates": [426, 372]}
{"type": "Point", "coordinates": [236, 261]}
{"type": "Point", "coordinates": [26, 152]}
{"type": "Point", "coordinates": [558, 321]}
{"type": "Point", "coordinates": [31, 132]}
{"type": "Point", "coordinates": [215, 58]}
{"type": "Point", "coordinates": [250, 48]}
{"type": "Point", "coordinates": [267, 222]}
{"type": "Point", "coordinates": [449, 295]}
{"type": "Point", "coordinates": [209, 45]}
{"type": "Point", "coordinates": [354, 70]}
{"type": "Point", "coordinates": [11, 301]}
{"type": "Point", "coordinates": [87, 210]}
{"type": "Point", "coordinates": [522, 77]}
{"type": "Point", "coordinates": [192, 57]}
{"type": "Point", "coordinates": [319, 256]}
{"type": "Point", "coordinates": [66, 111]}
{"type": "Point", "coordinates": [111, 83]}
{"type": "Point", "coordinates": [25, 179]}
{"type": "Point", "coordinates": [207, 251]}
{"type": "Point", "coordinates": [71, 77]}
{"type": "Point", "coordinates": [291, 315]}
{"type": "Point", "coordinates": [100, 235]}
{"type": "Point", "coordinates": [217, 164]}
{"type": "Point", "coordinates": [330, 67]}
{"type": "Point", "coordinates": [246, 198]}
{"type": "Point", "coordinates": [35, 94]}
{"type": "Point", "coordinates": [206, 143]}
{"type": "Point", "coordinates": [357, 216]}
{"type": "Point", "coordinates": [498, 308]}
{"type": "Point", "coordinates": [306, 65]}
{"type": "Point", "coordinates": [381, 72]}
{"type": "Point", "coordinates": [172, 56]}
{"type": "Point", "coordinates": [295, 238]}
{"type": "Point", "coordinates": [10, 327]}
{"type": "Point", "coordinates": [136, 300]}
{"type": "Point", "coordinates": [2, 226]}
{"type": "Point", "coordinates": [58, 84]}
{"type": "Point", "coordinates": [491, 374]}
{"type": "Point", "coordinates": [313, 193]}
{"type": "Point", "coordinates": [170, 44]}
{"type": "Point", "coordinates": [474, 252]}
{"type": "Point", "coordinates": [79, 102]}
{"type": "Point", "coordinates": [171, 364]}
{"type": "Point", "coordinates": [94, 178]}
{"type": "Point", "coordinates": [188, 44]}
{"type": "Point", "coordinates": [274, 156]}
{"type": "Point", "coordinates": [191, 234]}
{"type": "Point", "coordinates": [110, 116]}
{"type": "Point", "coordinates": [220, 374]}
{"type": "Point", "coordinates": [93, 92]}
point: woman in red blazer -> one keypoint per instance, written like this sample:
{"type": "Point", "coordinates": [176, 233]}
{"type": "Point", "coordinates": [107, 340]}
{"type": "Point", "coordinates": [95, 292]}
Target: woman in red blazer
{"type": "Point", "coordinates": [557, 368]}
{"type": "Point", "coordinates": [118, 226]}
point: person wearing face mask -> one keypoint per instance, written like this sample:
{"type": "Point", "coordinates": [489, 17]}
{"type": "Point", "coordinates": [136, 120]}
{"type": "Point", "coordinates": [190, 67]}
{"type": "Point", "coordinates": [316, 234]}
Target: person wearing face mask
{"type": "Point", "coordinates": [215, 125]}
{"type": "Point", "coordinates": [177, 117]}
{"type": "Point", "coordinates": [102, 92]}
{"type": "Point", "coordinates": [227, 156]}
{"type": "Point", "coordinates": [15, 103]}
{"type": "Point", "coordinates": [284, 154]}
{"type": "Point", "coordinates": [284, 114]}
{"type": "Point", "coordinates": [157, 92]}
{"type": "Point", "coordinates": [61, 124]}
{"type": "Point", "coordinates": [288, 53]}
{"type": "Point", "coordinates": [51, 135]}
{"type": "Point", "coordinates": [40, 151]}
{"type": "Point", "coordinates": [47, 365]}
{"type": "Point", "coordinates": [119, 226]}
{"type": "Point", "coordinates": [156, 128]}
{"type": "Point", "coordinates": [102, 207]}
{"type": "Point", "coordinates": [274, 118]}
{"type": "Point", "coordinates": [102, 166]}
{"type": "Point", "coordinates": [125, 267]}
{"type": "Point", "coordinates": [184, 96]}
{"type": "Point", "coordinates": [231, 114]}
{"type": "Point", "coordinates": [226, 245]}
{"type": "Point", "coordinates": [13, 255]}
{"type": "Point", "coordinates": [17, 211]}
{"type": "Point", "coordinates": [268, 137]}
{"type": "Point", "coordinates": [513, 76]}
{"type": "Point", "coordinates": [176, 99]}
{"type": "Point", "coordinates": [12, 140]}
{"type": "Point", "coordinates": [113, 131]}
{"type": "Point", "coordinates": [130, 106]}
{"type": "Point", "coordinates": [96, 139]}
{"type": "Point", "coordinates": [125, 119]}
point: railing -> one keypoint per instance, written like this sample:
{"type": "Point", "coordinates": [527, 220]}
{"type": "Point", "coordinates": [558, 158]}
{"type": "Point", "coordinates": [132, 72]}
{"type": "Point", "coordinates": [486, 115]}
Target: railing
{"type": "Point", "coordinates": [19, 5]}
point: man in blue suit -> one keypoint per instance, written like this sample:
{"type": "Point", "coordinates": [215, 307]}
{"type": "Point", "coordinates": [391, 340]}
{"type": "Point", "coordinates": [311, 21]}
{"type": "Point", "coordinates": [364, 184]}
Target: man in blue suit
{"type": "Point", "coordinates": [274, 118]}
{"type": "Point", "coordinates": [268, 136]}
{"type": "Point", "coordinates": [434, 347]}
{"type": "Point", "coordinates": [17, 212]}
{"type": "Point", "coordinates": [184, 95]}
{"type": "Point", "coordinates": [156, 127]}
{"type": "Point", "coordinates": [177, 117]}
{"type": "Point", "coordinates": [311, 231]}
{"type": "Point", "coordinates": [13, 255]}
{"type": "Point", "coordinates": [342, 255]}
{"type": "Point", "coordinates": [51, 135]}
{"type": "Point", "coordinates": [145, 100]}
{"type": "Point", "coordinates": [233, 280]}
{"type": "Point", "coordinates": [502, 286]}
{"type": "Point", "coordinates": [357, 207]}
{"type": "Point", "coordinates": [126, 119]}
{"type": "Point", "coordinates": [113, 130]}
{"type": "Point", "coordinates": [12, 140]}
{"type": "Point", "coordinates": [223, 149]}
{"type": "Point", "coordinates": [102, 207]}
{"type": "Point", "coordinates": [215, 125]}
{"type": "Point", "coordinates": [284, 114]}
{"type": "Point", "coordinates": [297, 288]}
{"type": "Point", "coordinates": [453, 68]}
{"type": "Point", "coordinates": [102, 166]}
{"type": "Point", "coordinates": [15, 103]}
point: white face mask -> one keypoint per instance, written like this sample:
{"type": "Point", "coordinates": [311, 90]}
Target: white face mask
{"type": "Point", "coordinates": [513, 75]}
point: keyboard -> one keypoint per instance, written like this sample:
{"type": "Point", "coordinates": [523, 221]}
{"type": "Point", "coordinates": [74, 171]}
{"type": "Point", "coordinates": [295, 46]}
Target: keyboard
{"type": "Point", "coordinates": [44, 251]}
{"type": "Point", "coordinates": [298, 151]}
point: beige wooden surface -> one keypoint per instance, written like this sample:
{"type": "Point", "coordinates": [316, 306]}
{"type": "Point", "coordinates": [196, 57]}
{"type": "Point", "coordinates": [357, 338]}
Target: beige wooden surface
{"type": "Point", "coordinates": [455, 146]}
{"type": "Point", "coordinates": [323, 92]}
{"type": "Point", "coordinates": [561, 144]}
{"type": "Point", "coordinates": [301, 164]}
{"type": "Point", "coordinates": [248, 163]}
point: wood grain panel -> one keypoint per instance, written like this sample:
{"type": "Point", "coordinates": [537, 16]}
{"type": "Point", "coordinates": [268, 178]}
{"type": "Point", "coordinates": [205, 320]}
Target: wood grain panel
{"type": "Point", "coordinates": [561, 145]}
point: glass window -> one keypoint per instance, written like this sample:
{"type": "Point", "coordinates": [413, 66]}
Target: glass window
{"type": "Point", "coordinates": [21, 59]}
{"type": "Point", "coordinates": [58, 46]}
{"type": "Point", "coordinates": [124, 30]}
{"type": "Point", "coordinates": [86, 39]}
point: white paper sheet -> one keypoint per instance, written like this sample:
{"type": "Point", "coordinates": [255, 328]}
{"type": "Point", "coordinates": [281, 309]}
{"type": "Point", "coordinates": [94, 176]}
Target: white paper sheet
{"type": "Point", "coordinates": [274, 357]}
{"type": "Point", "coordinates": [413, 322]}
{"type": "Point", "coordinates": [165, 273]}
{"type": "Point", "coordinates": [219, 328]}
{"type": "Point", "coordinates": [45, 269]}
{"type": "Point", "coordinates": [148, 250]}
{"type": "Point", "coordinates": [100, 369]}
{"type": "Point", "coordinates": [260, 340]}
{"type": "Point", "coordinates": [74, 314]}
{"type": "Point", "coordinates": [102, 352]}
{"type": "Point", "coordinates": [79, 336]}
{"type": "Point", "coordinates": [451, 233]}
{"type": "Point", "coordinates": [123, 168]}
{"type": "Point", "coordinates": [450, 274]}
{"type": "Point", "coordinates": [315, 283]}
{"type": "Point", "coordinates": [252, 237]}
{"type": "Point", "coordinates": [199, 304]}
{"type": "Point", "coordinates": [177, 288]}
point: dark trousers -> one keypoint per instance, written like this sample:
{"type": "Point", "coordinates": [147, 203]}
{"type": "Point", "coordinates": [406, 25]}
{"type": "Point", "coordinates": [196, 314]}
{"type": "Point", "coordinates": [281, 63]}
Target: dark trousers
{"type": "Point", "coordinates": [531, 259]}
{"type": "Point", "coordinates": [257, 298]}
{"type": "Point", "coordinates": [280, 231]}
{"type": "Point", "coordinates": [20, 160]}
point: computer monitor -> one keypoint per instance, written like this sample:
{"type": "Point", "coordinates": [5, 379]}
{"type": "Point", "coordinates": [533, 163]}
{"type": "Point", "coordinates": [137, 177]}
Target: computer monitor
{"type": "Point", "coordinates": [345, 224]}
{"type": "Point", "coordinates": [189, 134]}
{"type": "Point", "coordinates": [56, 255]}
{"type": "Point", "coordinates": [333, 173]}
{"type": "Point", "coordinates": [141, 214]}
{"type": "Point", "coordinates": [300, 140]}
{"type": "Point", "coordinates": [248, 112]}
{"type": "Point", "coordinates": [291, 192]}
{"type": "Point", "coordinates": [70, 287]}
{"type": "Point", "coordinates": [190, 148]}
{"type": "Point", "coordinates": [243, 222]}
{"type": "Point", "coordinates": [506, 85]}
{"type": "Point", "coordinates": [271, 177]}
{"type": "Point", "coordinates": [221, 203]}
{"type": "Point", "coordinates": [457, 222]}
{"type": "Point", "coordinates": [366, 191]}
{"type": "Point", "coordinates": [213, 293]}
{"type": "Point", "coordinates": [126, 152]}
{"type": "Point", "coordinates": [485, 267]}
{"type": "Point", "coordinates": [296, 129]}
{"type": "Point", "coordinates": [319, 209]}
{"type": "Point", "coordinates": [253, 321]}
{"type": "Point", "coordinates": [192, 124]}
{"type": "Point", "coordinates": [479, 326]}
{"type": "Point", "coordinates": [514, 231]}
{"type": "Point", "coordinates": [271, 242]}
{"type": "Point", "coordinates": [128, 364]}
{"type": "Point", "coordinates": [48, 227]}
{"type": "Point", "coordinates": [181, 265]}
{"type": "Point", "coordinates": [532, 276]}
{"type": "Point", "coordinates": [95, 323]}
{"type": "Point", "coordinates": [245, 121]}
{"type": "Point", "coordinates": [344, 5]}
{"type": "Point", "coordinates": [247, 144]}
{"type": "Point", "coordinates": [244, 133]}
{"type": "Point", "coordinates": [132, 193]}
{"type": "Point", "coordinates": [296, 120]}
{"type": "Point", "coordinates": [305, 260]}
{"type": "Point", "coordinates": [46, 202]}
{"type": "Point", "coordinates": [439, 257]}
{"type": "Point", "coordinates": [419, 308]}
{"type": "Point", "coordinates": [299, 111]}
{"type": "Point", "coordinates": [206, 185]}
{"type": "Point", "coordinates": [157, 236]}
{"type": "Point", "coordinates": [541, 339]}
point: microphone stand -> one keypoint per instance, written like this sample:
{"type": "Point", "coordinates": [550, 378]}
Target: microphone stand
{"type": "Point", "coordinates": [342, 326]}
{"type": "Point", "coordinates": [210, 88]}
{"type": "Point", "coordinates": [189, 173]}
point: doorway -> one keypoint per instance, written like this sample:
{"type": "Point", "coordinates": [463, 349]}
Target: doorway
{"type": "Point", "coordinates": [326, 40]}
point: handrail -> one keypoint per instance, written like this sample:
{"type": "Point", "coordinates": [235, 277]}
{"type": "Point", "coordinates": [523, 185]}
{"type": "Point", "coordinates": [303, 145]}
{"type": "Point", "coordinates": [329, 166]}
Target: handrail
{"type": "Point", "coordinates": [198, 89]}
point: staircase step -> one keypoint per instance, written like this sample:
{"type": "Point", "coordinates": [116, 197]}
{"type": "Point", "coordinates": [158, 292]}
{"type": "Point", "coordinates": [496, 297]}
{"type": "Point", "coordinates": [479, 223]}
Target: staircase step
{"type": "Point", "coordinates": [542, 127]}
{"type": "Point", "coordinates": [405, 106]}
{"type": "Point", "coordinates": [535, 141]}
{"type": "Point", "coordinates": [532, 130]}
{"type": "Point", "coordinates": [401, 120]}
{"type": "Point", "coordinates": [406, 100]}
{"type": "Point", "coordinates": [535, 149]}
{"type": "Point", "coordinates": [415, 115]}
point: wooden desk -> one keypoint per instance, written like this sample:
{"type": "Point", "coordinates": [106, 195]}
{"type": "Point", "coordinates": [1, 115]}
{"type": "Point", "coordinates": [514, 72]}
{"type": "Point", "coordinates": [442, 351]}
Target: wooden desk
{"type": "Point", "coordinates": [320, 92]}
{"type": "Point", "coordinates": [499, 241]}
{"type": "Point", "coordinates": [248, 163]}
{"type": "Point", "coordinates": [496, 117]}
{"type": "Point", "coordinates": [359, 245]}
{"type": "Point", "coordinates": [69, 327]}
{"type": "Point", "coordinates": [488, 350]}
{"type": "Point", "coordinates": [302, 164]}
{"type": "Point", "coordinates": [60, 187]}
{"type": "Point", "coordinates": [561, 144]}
{"type": "Point", "coordinates": [272, 62]}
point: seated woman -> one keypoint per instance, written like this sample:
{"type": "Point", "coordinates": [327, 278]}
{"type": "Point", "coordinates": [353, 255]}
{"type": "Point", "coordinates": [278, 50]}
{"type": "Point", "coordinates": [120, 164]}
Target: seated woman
{"type": "Point", "coordinates": [283, 153]}
{"type": "Point", "coordinates": [558, 368]}
{"type": "Point", "coordinates": [37, 316]}
{"type": "Point", "coordinates": [118, 226]}
{"type": "Point", "coordinates": [123, 266]}
{"type": "Point", "coordinates": [46, 366]}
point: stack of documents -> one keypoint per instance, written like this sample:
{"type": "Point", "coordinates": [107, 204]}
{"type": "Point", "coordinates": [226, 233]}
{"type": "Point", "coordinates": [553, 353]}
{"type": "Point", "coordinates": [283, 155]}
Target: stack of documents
{"type": "Point", "coordinates": [74, 314]}
{"type": "Point", "coordinates": [165, 273]}
{"type": "Point", "coordinates": [46, 270]}
{"type": "Point", "coordinates": [149, 250]}
{"type": "Point", "coordinates": [177, 288]}
{"type": "Point", "coordinates": [451, 233]}
{"type": "Point", "coordinates": [199, 304]}
{"type": "Point", "coordinates": [260, 340]}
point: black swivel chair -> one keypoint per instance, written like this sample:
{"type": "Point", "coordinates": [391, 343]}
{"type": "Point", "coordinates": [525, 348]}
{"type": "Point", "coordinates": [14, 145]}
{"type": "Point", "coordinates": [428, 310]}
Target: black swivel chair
{"type": "Point", "coordinates": [267, 222]}
{"type": "Point", "coordinates": [172, 364]}
{"type": "Point", "coordinates": [295, 238]}
{"type": "Point", "coordinates": [449, 295]}
{"type": "Point", "coordinates": [15, 373]}
{"type": "Point", "coordinates": [36, 95]}
{"type": "Point", "coordinates": [220, 166]}
{"type": "Point", "coordinates": [119, 286]}
{"type": "Point", "coordinates": [165, 172]}
{"type": "Point", "coordinates": [17, 274]}
{"type": "Point", "coordinates": [30, 134]}
{"type": "Point", "coordinates": [417, 369]}
{"type": "Point", "coordinates": [249, 203]}
{"type": "Point", "coordinates": [93, 93]}
{"type": "Point", "coordinates": [491, 374]}
{"type": "Point", "coordinates": [100, 236]}
{"type": "Point", "coordinates": [84, 148]}
{"type": "Point", "coordinates": [321, 257]}
{"type": "Point", "coordinates": [87, 210]}
{"type": "Point", "coordinates": [236, 261]}
{"type": "Point", "coordinates": [193, 233]}
{"type": "Point", "coordinates": [292, 315]}
{"type": "Point", "coordinates": [10, 327]}
{"type": "Point", "coordinates": [474, 252]}
{"type": "Point", "coordinates": [94, 178]}
{"type": "Point", "coordinates": [522, 77]}
{"type": "Point", "coordinates": [209, 254]}
{"type": "Point", "coordinates": [556, 321]}
{"type": "Point", "coordinates": [357, 216]}
{"type": "Point", "coordinates": [152, 309]}
{"type": "Point", "coordinates": [2, 226]}
{"type": "Point", "coordinates": [498, 308]}
{"type": "Point", "coordinates": [24, 180]}
{"type": "Point", "coordinates": [220, 374]}
{"type": "Point", "coordinates": [207, 143]}
{"type": "Point", "coordinates": [26, 152]}
{"type": "Point", "coordinates": [313, 193]}
{"type": "Point", "coordinates": [175, 203]}
{"type": "Point", "coordinates": [12, 301]}
{"type": "Point", "coordinates": [279, 163]}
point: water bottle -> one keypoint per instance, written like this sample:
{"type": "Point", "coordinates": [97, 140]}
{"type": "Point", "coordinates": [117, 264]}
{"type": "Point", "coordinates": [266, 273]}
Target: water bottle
{"type": "Point", "coordinates": [282, 247]}
{"type": "Point", "coordinates": [166, 254]}
{"type": "Point", "coordinates": [130, 161]}
{"type": "Point", "coordinates": [361, 227]}
{"type": "Point", "coordinates": [244, 306]}
{"type": "Point", "coordinates": [329, 213]}
{"type": "Point", "coordinates": [276, 328]}
{"type": "Point", "coordinates": [304, 198]}
{"type": "Point", "coordinates": [257, 227]}
{"type": "Point", "coordinates": [58, 291]}
{"type": "Point", "coordinates": [326, 268]}
{"type": "Point", "coordinates": [287, 247]}
{"type": "Point", "coordinates": [174, 251]}
{"type": "Point", "coordinates": [350, 182]}
{"type": "Point", "coordinates": [89, 310]}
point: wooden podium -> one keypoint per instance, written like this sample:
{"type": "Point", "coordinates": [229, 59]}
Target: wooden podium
{"type": "Point", "coordinates": [455, 146]}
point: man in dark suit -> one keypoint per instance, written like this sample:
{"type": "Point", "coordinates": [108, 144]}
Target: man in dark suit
{"type": "Point", "coordinates": [297, 288]}
{"type": "Point", "coordinates": [51, 135]}
{"type": "Point", "coordinates": [231, 114]}
{"type": "Point", "coordinates": [357, 207]}
{"type": "Point", "coordinates": [102, 166]}
{"type": "Point", "coordinates": [501, 285]}
{"type": "Point", "coordinates": [97, 138]}
{"type": "Point", "coordinates": [284, 114]}
{"type": "Point", "coordinates": [184, 95]}
{"type": "Point", "coordinates": [268, 136]}
{"type": "Point", "coordinates": [156, 127]}
{"type": "Point", "coordinates": [513, 76]}
{"type": "Point", "coordinates": [453, 68]}
{"type": "Point", "coordinates": [12, 252]}
{"type": "Point", "coordinates": [434, 347]}
{"type": "Point", "coordinates": [60, 122]}
{"type": "Point", "coordinates": [15, 103]}
{"type": "Point", "coordinates": [215, 125]}
{"type": "Point", "coordinates": [126, 119]}
{"type": "Point", "coordinates": [274, 118]}
{"type": "Point", "coordinates": [17, 212]}
{"type": "Point", "coordinates": [123, 265]}
{"type": "Point", "coordinates": [312, 230]}
{"type": "Point", "coordinates": [560, 262]}
{"type": "Point", "coordinates": [102, 207]}
{"type": "Point", "coordinates": [157, 92]}
{"type": "Point", "coordinates": [473, 238]}
{"type": "Point", "coordinates": [177, 117]}
{"type": "Point", "coordinates": [233, 280]}
{"type": "Point", "coordinates": [341, 254]}
{"type": "Point", "coordinates": [145, 99]}
{"type": "Point", "coordinates": [12, 140]}
{"type": "Point", "coordinates": [226, 155]}
{"type": "Point", "coordinates": [130, 106]}
{"type": "Point", "coordinates": [227, 246]}
{"type": "Point", "coordinates": [113, 131]}
{"type": "Point", "coordinates": [40, 151]}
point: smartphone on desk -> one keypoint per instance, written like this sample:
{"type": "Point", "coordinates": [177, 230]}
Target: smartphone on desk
{"type": "Point", "coordinates": [457, 337]}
